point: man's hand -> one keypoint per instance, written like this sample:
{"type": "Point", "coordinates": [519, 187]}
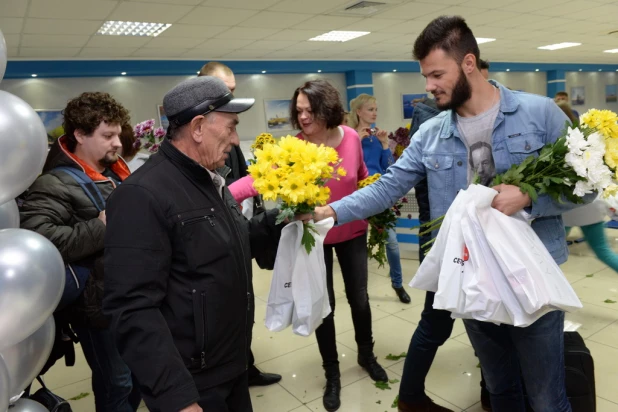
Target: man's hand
{"type": "Point", "coordinates": [324, 212]}
{"type": "Point", "coordinates": [102, 217]}
{"type": "Point", "coordinates": [192, 408]}
{"type": "Point", "coordinates": [510, 199]}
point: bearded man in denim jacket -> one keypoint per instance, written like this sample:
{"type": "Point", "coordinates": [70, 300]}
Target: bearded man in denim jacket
{"type": "Point", "coordinates": [514, 125]}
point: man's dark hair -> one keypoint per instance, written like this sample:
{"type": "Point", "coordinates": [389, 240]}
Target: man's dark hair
{"type": "Point", "coordinates": [449, 33]}
{"type": "Point", "coordinates": [87, 111]}
{"type": "Point", "coordinates": [483, 64]}
{"type": "Point", "coordinates": [565, 94]}
{"type": "Point", "coordinates": [325, 103]}
{"type": "Point", "coordinates": [127, 139]}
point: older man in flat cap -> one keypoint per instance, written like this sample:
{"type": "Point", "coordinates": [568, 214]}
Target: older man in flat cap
{"type": "Point", "coordinates": [178, 260]}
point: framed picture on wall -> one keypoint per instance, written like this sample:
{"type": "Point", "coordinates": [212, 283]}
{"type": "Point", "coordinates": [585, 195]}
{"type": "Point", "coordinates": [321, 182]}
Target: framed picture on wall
{"type": "Point", "coordinates": [578, 95]}
{"type": "Point", "coordinates": [611, 91]}
{"type": "Point", "coordinates": [407, 104]}
{"type": "Point", "coordinates": [163, 122]}
{"type": "Point", "coordinates": [277, 114]}
{"type": "Point", "coordinates": [52, 120]}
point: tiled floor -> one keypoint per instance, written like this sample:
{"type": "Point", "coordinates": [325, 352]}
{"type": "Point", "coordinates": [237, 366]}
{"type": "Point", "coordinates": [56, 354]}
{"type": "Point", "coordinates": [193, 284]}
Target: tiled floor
{"type": "Point", "coordinates": [454, 377]}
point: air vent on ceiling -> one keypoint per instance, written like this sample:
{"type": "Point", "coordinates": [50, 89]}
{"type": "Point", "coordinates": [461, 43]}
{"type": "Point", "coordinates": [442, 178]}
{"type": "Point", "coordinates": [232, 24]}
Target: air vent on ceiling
{"type": "Point", "coordinates": [364, 8]}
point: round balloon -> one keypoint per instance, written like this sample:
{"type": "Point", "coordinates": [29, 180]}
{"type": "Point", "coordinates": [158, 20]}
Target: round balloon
{"type": "Point", "coordinates": [9, 217]}
{"type": "Point", "coordinates": [5, 386]}
{"type": "Point", "coordinates": [31, 283]}
{"type": "Point", "coordinates": [28, 405]}
{"type": "Point", "coordinates": [25, 359]}
{"type": "Point", "coordinates": [23, 146]}
{"type": "Point", "coordinates": [3, 58]}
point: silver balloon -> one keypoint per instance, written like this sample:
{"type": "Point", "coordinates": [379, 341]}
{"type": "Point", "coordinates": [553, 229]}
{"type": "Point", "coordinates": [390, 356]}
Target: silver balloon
{"type": "Point", "coordinates": [31, 283]}
{"type": "Point", "coordinates": [5, 386]}
{"type": "Point", "coordinates": [27, 405]}
{"type": "Point", "coordinates": [3, 58]}
{"type": "Point", "coordinates": [25, 359]}
{"type": "Point", "coordinates": [9, 218]}
{"type": "Point", "coordinates": [23, 146]}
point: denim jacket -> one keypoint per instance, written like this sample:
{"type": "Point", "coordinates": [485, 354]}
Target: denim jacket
{"type": "Point", "coordinates": [525, 123]}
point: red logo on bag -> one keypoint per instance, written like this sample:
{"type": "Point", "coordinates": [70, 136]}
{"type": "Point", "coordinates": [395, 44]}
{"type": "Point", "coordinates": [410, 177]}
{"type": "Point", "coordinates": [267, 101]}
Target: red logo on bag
{"type": "Point", "coordinates": [466, 254]}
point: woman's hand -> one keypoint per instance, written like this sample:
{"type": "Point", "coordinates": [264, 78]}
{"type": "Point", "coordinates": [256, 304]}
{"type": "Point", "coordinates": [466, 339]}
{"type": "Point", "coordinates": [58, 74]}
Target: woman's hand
{"type": "Point", "coordinates": [364, 133]}
{"type": "Point", "coordinates": [382, 136]}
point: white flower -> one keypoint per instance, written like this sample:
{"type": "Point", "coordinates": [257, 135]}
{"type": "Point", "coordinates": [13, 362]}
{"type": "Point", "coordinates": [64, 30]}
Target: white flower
{"type": "Point", "coordinates": [576, 142]}
{"type": "Point", "coordinates": [582, 188]}
{"type": "Point", "coordinates": [577, 163]}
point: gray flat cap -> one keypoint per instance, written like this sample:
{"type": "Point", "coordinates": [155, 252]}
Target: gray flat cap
{"type": "Point", "coordinates": [199, 96]}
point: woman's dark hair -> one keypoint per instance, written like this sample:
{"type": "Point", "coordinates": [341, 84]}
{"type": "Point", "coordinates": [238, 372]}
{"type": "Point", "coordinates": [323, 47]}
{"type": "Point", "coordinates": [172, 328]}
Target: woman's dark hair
{"type": "Point", "coordinates": [449, 33]}
{"type": "Point", "coordinates": [87, 111]}
{"type": "Point", "coordinates": [325, 103]}
{"type": "Point", "coordinates": [127, 139]}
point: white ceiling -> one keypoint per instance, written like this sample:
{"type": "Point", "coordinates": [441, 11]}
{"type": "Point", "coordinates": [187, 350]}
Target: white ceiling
{"type": "Point", "coordinates": [279, 29]}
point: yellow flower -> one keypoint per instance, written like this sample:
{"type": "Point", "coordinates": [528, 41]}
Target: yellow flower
{"type": "Point", "coordinates": [610, 191]}
{"type": "Point", "coordinates": [604, 121]}
{"type": "Point", "coordinates": [341, 171]}
{"type": "Point", "coordinates": [270, 187]}
{"type": "Point", "coordinates": [368, 181]}
{"type": "Point", "coordinates": [293, 189]}
{"type": "Point", "coordinates": [611, 153]}
{"type": "Point", "coordinates": [408, 126]}
{"type": "Point", "coordinates": [261, 140]}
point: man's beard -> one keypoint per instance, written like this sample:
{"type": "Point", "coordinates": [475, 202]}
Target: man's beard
{"type": "Point", "coordinates": [461, 94]}
{"type": "Point", "coordinates": [109, 160]}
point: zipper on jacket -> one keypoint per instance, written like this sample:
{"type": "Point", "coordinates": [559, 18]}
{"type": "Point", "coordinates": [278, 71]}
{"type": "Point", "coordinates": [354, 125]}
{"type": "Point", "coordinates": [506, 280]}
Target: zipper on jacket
{"type": "Point", "coordinates": [194, 220]}
{"type": "Point", "coordinates": [244, 264]}
{"type": "Point", "coordinates": [203, 354]}
{"type": "Point", "coordinates": [199, 319]}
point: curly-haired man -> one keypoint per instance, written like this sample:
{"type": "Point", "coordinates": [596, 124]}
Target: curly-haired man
{"type": "Point", "coordinates": [66, 204]}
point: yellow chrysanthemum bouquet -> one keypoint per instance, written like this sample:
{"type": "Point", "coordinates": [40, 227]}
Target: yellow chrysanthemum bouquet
{"type": "Point", "coordinates": [294, 172]}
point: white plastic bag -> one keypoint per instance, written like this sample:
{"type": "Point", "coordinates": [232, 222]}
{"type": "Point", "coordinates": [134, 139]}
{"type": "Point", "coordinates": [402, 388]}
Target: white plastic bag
{"type": "Point", "coordinates": [532, 273]}
{"type": "Point", "coordinates": [298, 293]}
{"type": "Point", "coordinates": [427, 275]}
{"type": "Point", "coordinates": [247, 208]}
{"type": "Point", "coordinates": [309, 288]}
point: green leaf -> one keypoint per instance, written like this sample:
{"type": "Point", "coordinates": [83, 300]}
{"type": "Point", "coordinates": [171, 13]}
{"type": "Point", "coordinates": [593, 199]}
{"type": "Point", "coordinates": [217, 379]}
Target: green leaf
{"type": "Point", "coordinates": [379, 402]}
{"type": "Point", "coordinates": [478, 365]}
{"type": "Point", "coordinates": [530, 190]}
{"type": "Point", "coordinates": [609, 301]}
{"type": "Point", "coordinates": [308, 241]}
{"type": "Point", "coordinates": [395, 402]}
{"type": "Point", "coordinates": [393, 380]}
{"type": "Point", "coordinates": [382, 385]}
{"type": "Point", "coordinates": [259, 396]}
{"type": "Point", "coordinates": [80, 396]}
{"type": "Point", "coordinates": [390, 356]}
{"type": "Point", "coordinates": [590, 275]}
{"type": "Point", "coordinates": [285, 213]}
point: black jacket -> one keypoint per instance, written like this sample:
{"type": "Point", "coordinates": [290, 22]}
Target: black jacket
{"type": "Point", "coordinates": [57, 207]}
{"type": "Point", "coordinates": [178, 278]}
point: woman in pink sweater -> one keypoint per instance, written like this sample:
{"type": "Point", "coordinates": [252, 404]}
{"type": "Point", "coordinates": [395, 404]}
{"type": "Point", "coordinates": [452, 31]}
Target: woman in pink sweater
{"type": "Point", "coordinates": [316, 109]}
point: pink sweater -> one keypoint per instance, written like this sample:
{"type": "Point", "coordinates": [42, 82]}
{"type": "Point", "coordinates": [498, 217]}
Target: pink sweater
{"type": "Point", "coordinates": [350, 150]}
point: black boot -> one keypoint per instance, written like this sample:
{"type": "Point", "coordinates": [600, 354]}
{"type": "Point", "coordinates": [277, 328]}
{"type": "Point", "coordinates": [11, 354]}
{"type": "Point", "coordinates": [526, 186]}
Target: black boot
{"type": "Point", "coordinates": [332, 391]}
{"type": "Point", "coordinates": [369, 362]}
{"type": "Point", "coordinates": [402, 295]}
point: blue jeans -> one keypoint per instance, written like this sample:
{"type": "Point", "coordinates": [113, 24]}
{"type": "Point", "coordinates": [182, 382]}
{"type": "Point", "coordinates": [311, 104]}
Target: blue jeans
{"type": "Point", "coordinates": [433, 330]}
{"type": "Point", "coordinates": [394, 259]}
{"type": "Point", "coordinates": [537, 353]}
{"type": "Point", "coordinates": [115, 390]}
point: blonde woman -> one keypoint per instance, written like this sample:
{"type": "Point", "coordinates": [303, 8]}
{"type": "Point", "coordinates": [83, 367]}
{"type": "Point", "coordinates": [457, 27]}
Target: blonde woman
{"type": "Point", "coordinates": [378, 157]}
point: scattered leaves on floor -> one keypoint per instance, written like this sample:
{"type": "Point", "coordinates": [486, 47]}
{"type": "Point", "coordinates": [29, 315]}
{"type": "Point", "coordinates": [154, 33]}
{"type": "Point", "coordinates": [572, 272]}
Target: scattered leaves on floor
{"type": "Point", "coordinates": [590, 275]}
{"type": "Point", "coordinates": [478, 365]}
{"type": "Point", "coordinates": [390, 356]}
{"type": "Point", "coordinates": [80, 396]}
{"type": "Point", "coordinates": [395, 402]}
{"type": "Point", "coordinates": [259, 396]}
{"type": "Point", "coordinates": [382, 385]}
{"type": "Point", "coordinates": [393, 380]}
{"type": "Point", "coordinates": [609, 301]}
{"type": "Point", "coordinates": [379, 402]}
